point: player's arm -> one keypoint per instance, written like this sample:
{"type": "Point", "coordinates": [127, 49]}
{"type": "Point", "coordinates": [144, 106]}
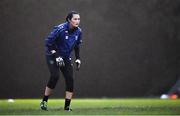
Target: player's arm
{"type": "Point", "coordinates": [77, 51]}
{"type": "Point", "coordinates": [50, 42]}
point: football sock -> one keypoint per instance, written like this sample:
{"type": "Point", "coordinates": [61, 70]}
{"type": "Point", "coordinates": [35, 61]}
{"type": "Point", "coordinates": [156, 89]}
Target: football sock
{"type": "Point", "coordinates": [67, 103]}
{"type": "Point", "coordinates": [45, 98]}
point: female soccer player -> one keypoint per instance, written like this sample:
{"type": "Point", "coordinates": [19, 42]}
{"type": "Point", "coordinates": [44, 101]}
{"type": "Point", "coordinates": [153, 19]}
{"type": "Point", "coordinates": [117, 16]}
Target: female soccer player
{"type": "Point", "coordinates": [62, 40]}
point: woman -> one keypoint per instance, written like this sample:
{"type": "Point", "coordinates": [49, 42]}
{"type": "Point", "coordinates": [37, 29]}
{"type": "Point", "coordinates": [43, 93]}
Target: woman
{"type": "Point", "coordinates": [63, 39]}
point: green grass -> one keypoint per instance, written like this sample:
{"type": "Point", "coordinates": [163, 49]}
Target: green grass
{"type": "Point", "coordinates": [93, 107]}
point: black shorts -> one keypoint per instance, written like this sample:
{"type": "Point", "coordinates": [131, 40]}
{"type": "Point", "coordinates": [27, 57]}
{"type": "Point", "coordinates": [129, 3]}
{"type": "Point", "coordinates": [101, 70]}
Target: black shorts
{"type": "Point", "coordinates": [54, 70]}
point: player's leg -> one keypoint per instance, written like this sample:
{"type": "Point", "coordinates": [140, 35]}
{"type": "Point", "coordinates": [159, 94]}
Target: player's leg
{"type": "Point", "coordinates": [54, 76]}
{"type": "Point", "coordinates": [68, 75]}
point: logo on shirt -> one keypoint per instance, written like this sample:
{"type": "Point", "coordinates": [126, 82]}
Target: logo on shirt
{"type": "Point", "coordinates": [66, 37]}
{"type": "Point", "coordinates": [51, 62]}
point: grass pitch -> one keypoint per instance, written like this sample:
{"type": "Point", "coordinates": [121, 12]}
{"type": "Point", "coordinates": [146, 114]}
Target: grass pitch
{"type": "Point", "coordinates": [92, 107]}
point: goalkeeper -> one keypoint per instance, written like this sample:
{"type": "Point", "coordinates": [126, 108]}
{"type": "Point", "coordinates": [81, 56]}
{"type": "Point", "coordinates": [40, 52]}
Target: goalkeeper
{"type": "Point", "coordinates": [59, 44]}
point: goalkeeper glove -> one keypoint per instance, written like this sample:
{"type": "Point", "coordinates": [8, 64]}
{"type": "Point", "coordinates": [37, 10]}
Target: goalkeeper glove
{"type": "Point", "coordinates": [60, 62]}
{"type": "Point", "coordinates": [78, 64]}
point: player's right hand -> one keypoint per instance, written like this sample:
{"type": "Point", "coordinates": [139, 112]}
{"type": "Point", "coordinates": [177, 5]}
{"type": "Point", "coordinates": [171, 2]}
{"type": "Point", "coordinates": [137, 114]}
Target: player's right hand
{"type": "Point", "coordinates": [60, 62]}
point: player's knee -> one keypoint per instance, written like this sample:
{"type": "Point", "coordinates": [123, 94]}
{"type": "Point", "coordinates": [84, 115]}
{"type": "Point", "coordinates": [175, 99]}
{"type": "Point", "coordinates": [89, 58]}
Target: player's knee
{"type": "Point", "coordinates": [53, 81]}
{"type": "Point", "coordinates": [69, 88]}
{"type": "Point", "coordinates": [69, 84]}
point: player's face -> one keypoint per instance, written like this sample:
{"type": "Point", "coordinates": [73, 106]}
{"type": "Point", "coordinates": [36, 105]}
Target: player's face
{"type": "Point", "coordinates": [74, 22]}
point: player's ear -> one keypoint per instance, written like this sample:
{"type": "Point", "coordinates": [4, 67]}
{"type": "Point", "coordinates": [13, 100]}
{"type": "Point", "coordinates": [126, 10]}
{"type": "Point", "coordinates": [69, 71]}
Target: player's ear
{"type": "Point", "coordinates": [69, 20]}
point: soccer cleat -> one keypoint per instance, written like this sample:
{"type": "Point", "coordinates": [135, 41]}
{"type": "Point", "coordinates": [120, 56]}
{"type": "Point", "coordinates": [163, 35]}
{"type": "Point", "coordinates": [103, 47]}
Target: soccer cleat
{"type": "Point", "coordinates": [68, 109]}
{"type": "Point", "coordinates": [43, 105]}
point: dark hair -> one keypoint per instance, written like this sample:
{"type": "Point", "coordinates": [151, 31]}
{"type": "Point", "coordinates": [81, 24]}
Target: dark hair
{"type": "Point", "coordinates": [70, 15]}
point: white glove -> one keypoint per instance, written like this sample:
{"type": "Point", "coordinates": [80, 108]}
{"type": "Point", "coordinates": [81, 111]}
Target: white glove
{"type": "Point", "coordinates": [78, 64]}
{"type": "Point", "coordinates": [53, 51]}
{"type": "Point", "coordinates": [60, 61]}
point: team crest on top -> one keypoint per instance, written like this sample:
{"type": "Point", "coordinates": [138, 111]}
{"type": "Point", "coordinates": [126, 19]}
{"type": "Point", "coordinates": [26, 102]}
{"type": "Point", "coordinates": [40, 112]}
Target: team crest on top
{"type": "Point", "coordinates": [76, 37]}
{"type": "Point", "coordinates": [66, 37]}
{"type": "Point", "coordinates": [51, 62]}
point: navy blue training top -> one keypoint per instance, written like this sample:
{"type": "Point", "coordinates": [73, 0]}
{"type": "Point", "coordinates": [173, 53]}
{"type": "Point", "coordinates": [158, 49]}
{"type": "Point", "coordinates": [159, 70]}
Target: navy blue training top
{"type": "Point", "coordinates": [63, 40]}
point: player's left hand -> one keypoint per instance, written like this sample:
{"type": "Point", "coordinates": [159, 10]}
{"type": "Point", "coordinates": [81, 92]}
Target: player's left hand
{"type": "Point", "coordinates": [78, 64]}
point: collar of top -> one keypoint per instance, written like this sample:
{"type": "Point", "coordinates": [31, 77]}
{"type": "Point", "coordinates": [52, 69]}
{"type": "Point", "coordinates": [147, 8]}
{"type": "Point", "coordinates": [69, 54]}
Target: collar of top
{"type": "Point", "coordinates": [69, 29]}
